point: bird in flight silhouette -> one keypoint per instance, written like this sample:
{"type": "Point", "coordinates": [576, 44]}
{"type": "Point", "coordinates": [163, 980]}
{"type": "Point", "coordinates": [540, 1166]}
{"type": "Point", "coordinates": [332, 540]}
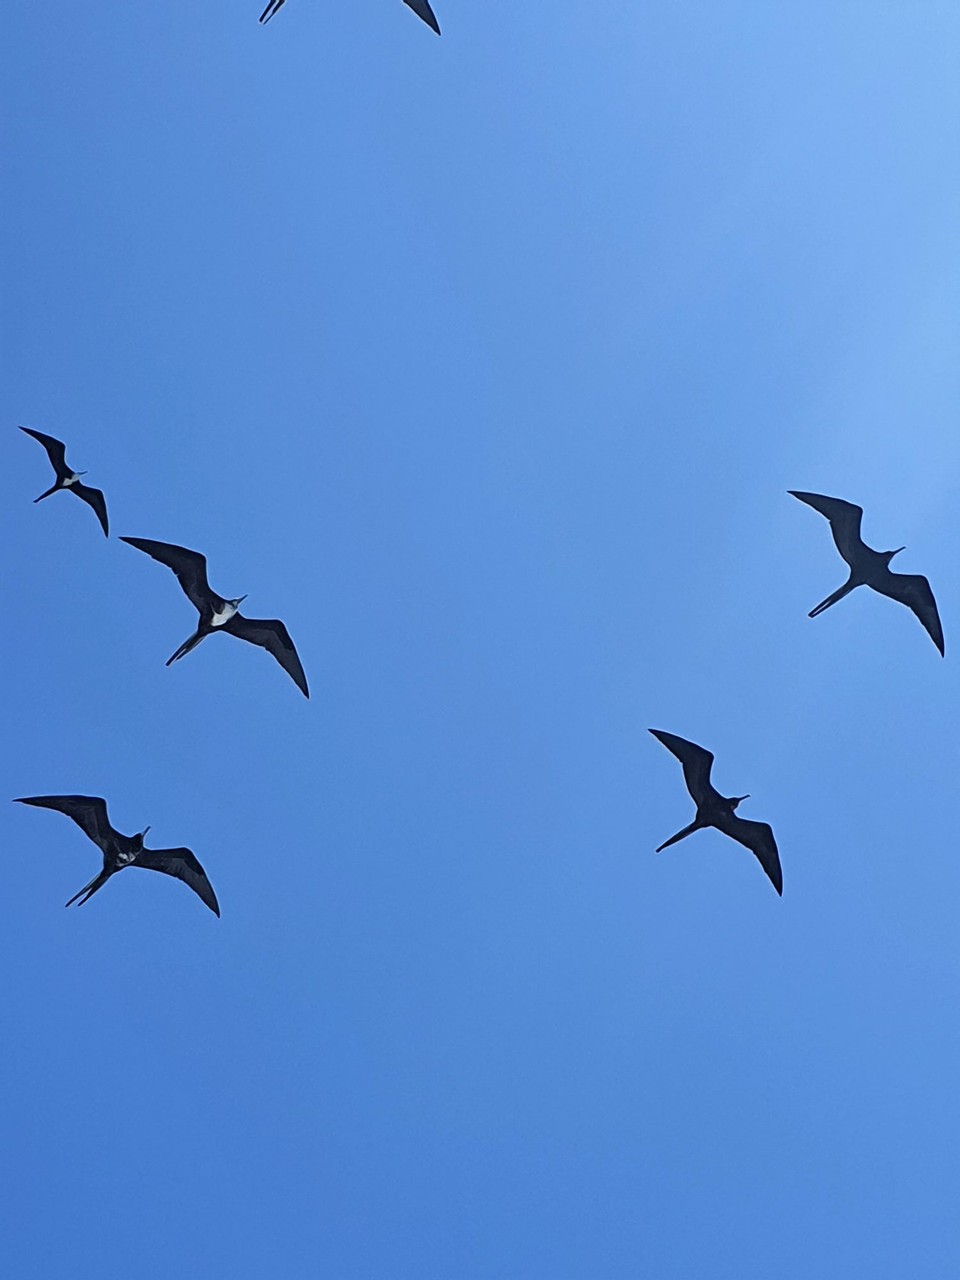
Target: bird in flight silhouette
{"type": "Point", "coordinates": [715, 810]}
{"type": "Point", "coordinates": [869, 568]}
{"type": "Point", "coordinates": [119, 851]}
{"type": "Point", "coordinates": [219, 614]}
{"type": "Point", "coordinates": [67, 478]}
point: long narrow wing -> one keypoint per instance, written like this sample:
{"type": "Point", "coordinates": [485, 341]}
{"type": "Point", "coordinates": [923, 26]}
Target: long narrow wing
{"type": "Point", "coordinates": [272, 635]}
{"type": "Point", "coordinates": [190, 568]}
{"type": "Point", "coordinates": [758, 838]}
{"type": "Point", "coordinates": [697, 762]}
{"type": "Point", "coordinates": [56, 451]}
{"type": "Point", "coordinates": [96, 500]}
{"type": "Point", "coordinates": [422, 10]}
{"type": "Point", "coordinates": [271, 9]}
{"type": "Point", "coordinates": [913, 590]}
{"type": "Point", "coordinates": [183, 864]}
{"type": "Point", "coordinates": [88, 812]}
{"type": "Point", "coordinates": [844, 520]}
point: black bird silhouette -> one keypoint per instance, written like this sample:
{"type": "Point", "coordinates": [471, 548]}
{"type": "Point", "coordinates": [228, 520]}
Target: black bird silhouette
{"type": "Point", "coordinates": [90, 815]}
{"type": "Point", "coordinates": [68, 479]}
{"type": "Point", "coordinates": [715, 810]}
{"type": "Point", "coordinates": [872, 568]}
{"type": "Point", "coordinates": [420, 7]}
{"type": "Point", "coordinates": [219, 614]}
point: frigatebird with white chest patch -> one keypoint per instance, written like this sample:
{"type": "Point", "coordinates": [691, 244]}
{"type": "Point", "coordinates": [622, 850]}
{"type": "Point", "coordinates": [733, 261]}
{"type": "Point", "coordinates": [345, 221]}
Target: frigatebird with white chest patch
{"type": "Point", "coordinates": [120, 851]}
{"type": "Point", "coordinates": [220, 614]}
{"type": "Point", "coordinates": [69, 479]}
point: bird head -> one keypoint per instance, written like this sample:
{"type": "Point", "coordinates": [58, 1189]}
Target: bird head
{"type": "Point", "coordinates": [735, 800]}
{"type": "Point", "coordinates": [238, 602]}
{"type": "Point", "coordinates": [142, 836]}
{"type": "Point", "coordinates": [890, 554]}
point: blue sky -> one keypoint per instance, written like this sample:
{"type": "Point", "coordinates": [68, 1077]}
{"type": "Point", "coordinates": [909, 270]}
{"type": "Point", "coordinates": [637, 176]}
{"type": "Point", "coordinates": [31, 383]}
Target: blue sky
{"type": "Point", "coordinates": [485, 363]}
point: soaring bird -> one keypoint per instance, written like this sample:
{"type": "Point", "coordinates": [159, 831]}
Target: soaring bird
{"type": "Point", "coordinates": [67, 478]}
{"type": "Point", "coordinates": [872, 568]}
{"type": "Point", "coordinates": [90, 815]}
{"type": "Point", "coordinates": [420, 7]}
{"type": "Point", "coordinates": [219, 614]}
{"type": "Point", "coordinates": [715, 810]}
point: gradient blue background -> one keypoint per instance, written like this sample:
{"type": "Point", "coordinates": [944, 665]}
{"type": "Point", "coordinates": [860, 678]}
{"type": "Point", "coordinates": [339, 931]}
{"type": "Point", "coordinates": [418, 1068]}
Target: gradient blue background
{"type": "Point", "coordinates": [485, 363]}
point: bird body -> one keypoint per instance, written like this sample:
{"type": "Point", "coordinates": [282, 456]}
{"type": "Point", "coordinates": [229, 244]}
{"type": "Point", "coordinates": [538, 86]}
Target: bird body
{"type": "Point", "coordinates": [870, 568]}
{"type": "Point", "coordinates": [67, 478]}
{"type": "Point", "coordinates": [715, 810]}
{"type": "Point", "coordinates": [220, 614]}
{"type": "Point", "coordinates": [120, 851]}
{"type": "Point", "coordinates": [420, 7]}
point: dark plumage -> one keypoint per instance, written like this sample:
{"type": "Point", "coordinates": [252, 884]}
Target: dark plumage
{"type": "Point", "coordinates": [715, 810]}
{"type": "Point", "coordinates": [872, 568]}
{"type": "Point", "coordinates": [68, 478]}
{"type": "Point", "coordinates": [119, 851]}
{"type": "Point", "coordinates": [220, 614]}
{"type": "Point", "coordinates": [420, 7]}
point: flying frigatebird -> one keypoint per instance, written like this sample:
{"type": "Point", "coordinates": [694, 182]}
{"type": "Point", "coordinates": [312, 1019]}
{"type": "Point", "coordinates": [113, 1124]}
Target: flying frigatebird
{"type": "Point", "coordinates": [420, 7]}
{"type": "Point", "coordinates": [715, 810]}
{"type": "Point", "coordinates": [872, 568]}
{"type": "Point", "coordinates": [67, 478]}
{"type": "Point", "coordinates": [219, 614]}
{"type": "Point", "coordinates": [90, 815]}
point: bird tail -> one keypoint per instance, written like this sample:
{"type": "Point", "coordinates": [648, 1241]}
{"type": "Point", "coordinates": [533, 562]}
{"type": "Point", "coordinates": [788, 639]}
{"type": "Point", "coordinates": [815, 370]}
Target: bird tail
{"type": "Point", "coordinates": [53, 489]}
{"type": "Point", "coordinates": [687, 831]}
{"type": "Point", "coordinates": [187, 646]}
{"type": "Point", "coordinates": [837, 595]}
{"type": "Point", "coordinates": [90, 889]}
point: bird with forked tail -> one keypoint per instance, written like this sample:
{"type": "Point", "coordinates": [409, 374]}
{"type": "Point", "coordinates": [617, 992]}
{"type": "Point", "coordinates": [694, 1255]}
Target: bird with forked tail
{"type": "Point", "coordinates": [69, 479]}
{"type": "Point", "coordinates": [120, 851]}
{"type": "Point", "coordinates": [869, 568]}
{"type": "Point", "coordinates": [715, 810]}
{"type": "Point", "coordinates": [220, 614]}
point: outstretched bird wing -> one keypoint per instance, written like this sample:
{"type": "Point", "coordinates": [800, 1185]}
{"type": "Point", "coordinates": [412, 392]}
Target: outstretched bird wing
{"type": "Point", "coordinates": [273, 636]}
{"type": "Point", "coordinates": [56, 451]}
{"type": "Point", "coordinates": [696, 761]}
{"type": "Point", "coordinates": [271, 9]}
{"type": "Point", "coordinates": [758, 838]}
{"type": "Point", "coordinates": [183, 864]}
{"type": "Point", "coordinates": [96, 500]}
{"type": "Point", "coordinates": [913, 590]}
{"type": "Point", "coordinates": [844, 520]}
{"type": "Point", "coordinates": [423, 10]}
{"type": "Point", "coordinates": [189, 566]}
{"type": "Point", "coordinates": [88, 812]}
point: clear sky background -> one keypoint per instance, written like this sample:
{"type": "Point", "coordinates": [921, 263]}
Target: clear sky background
{"type": "Point", "coordinates": [485, 363]}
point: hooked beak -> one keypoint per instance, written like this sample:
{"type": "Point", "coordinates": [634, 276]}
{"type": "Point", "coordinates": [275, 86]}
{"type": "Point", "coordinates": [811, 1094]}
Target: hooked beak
{"type": "Point", "coordinates": [897, 552]}
{"type": "Point", "coordinates": [144, 832]}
